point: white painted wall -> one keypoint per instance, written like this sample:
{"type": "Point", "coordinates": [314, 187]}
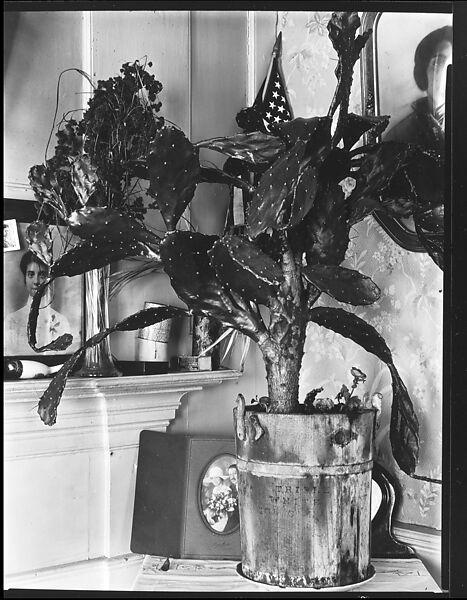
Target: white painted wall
{"type": "Point", "coordinates": [37, 47]}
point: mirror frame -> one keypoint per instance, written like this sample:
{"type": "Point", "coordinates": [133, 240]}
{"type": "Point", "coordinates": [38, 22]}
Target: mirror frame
{"type": "Point", "coordinates": [404, 237]}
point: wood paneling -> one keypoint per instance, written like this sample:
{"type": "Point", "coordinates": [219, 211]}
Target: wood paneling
{"type": "Point", "coordinates": [219, 84]}
{"type": "Point", "coordinates": [37, 47]}
{"type": "Point", "coordinates": [162, 36]}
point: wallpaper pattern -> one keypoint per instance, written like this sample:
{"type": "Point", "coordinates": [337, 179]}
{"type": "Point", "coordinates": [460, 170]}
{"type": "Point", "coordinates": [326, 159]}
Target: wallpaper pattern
{"type": "Point", "coordinates": [409, 313]}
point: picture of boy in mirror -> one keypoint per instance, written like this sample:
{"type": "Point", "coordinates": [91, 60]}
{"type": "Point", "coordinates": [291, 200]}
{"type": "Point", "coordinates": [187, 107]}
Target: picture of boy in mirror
{"type": "Point", "coordinates": [50, 324]}
{"type": "Point", "coordinates": [424, 126]}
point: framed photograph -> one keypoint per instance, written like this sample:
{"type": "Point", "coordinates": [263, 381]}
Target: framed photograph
{"type": "Point", "coordinates": [10, 235]}
{"type": "Point", "coordinates": [62, 306]}
{"type": "Point", "coordinates": [186, 500]}
{"type": "Point", "coordinates": [404, 75]}
{"type": "Point", "coordinates": [186, 497]}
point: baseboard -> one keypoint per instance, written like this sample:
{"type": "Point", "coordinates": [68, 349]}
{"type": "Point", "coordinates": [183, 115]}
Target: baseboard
{"type": "Point", "coordinates": [115, 574]}
{"type": "Point", "coordinates": [426, 543]}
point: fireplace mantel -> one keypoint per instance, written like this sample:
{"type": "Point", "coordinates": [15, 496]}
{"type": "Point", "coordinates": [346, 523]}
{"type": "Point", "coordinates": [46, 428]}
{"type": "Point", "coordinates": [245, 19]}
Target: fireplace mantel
{"type": "Point", "coordinates": [69, 488]}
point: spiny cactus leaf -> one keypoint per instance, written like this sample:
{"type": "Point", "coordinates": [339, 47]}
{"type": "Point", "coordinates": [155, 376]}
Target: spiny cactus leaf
{"type": "Point", "coordinates": [433, 242]}
{"type": "Point", "coordinates": [211, 175]}
{"type": "Point", "coordinates": [174, 170]}
{"type": "Point", "coordinates": [51, 397]}
{"type": "Point", "coordinates": [267, 206]}
{"type": "Point", "coordinates": [398, 179]}
{"type": "Point", "coordinates": [245, 269]}
{"type": "Point", "coordinates": [108, 224]}
{"type": "Point", "coordinates": [185, 258]}
{"type": "Point", "coordinates": [356, 125]}
{"type": "Point", "coordinates": [420, 189]}
{"type": "Point", "coordinates": [378, 166]}
{"type": "Point", "coordinates": [425, 172]}
{"type": "Point", "coordinates": [303, 196]}
{"type": "Point", "coordinates": [150, 316]}
{"type": "Point", "coordinates": [325, 233]}
{"type": "Point", "coordinates": [254, 148]}
{"type": "Point", "coordinates": [336, 166]}
{"type": "Point", "coordinates": [352, 327]}
{"type": "Point", "coordinates": [345, 285]}
{"type": "Point", "coordinates": [60, 343]}
{"type": "Point", "coordinates": [240, 168]}
{"type": "Point", "coordinates": [315, 131]}
{"type": "Point", "coordinates": [397, 200]}
{"type": "Point", "coordinates": [404, 423]}
{"type": "Point", "coordinates": [252, 259]}
{"type": "Point", "coordinates": [92, 254]}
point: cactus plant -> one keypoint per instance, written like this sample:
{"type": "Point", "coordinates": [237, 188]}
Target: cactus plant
{"type": "Point", "coordinates": [298, 221]}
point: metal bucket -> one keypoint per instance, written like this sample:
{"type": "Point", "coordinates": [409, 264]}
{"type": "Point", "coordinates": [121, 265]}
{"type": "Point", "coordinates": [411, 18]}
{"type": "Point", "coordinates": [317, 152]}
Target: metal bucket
{"type": "Point", "coordinates": [305, 498]}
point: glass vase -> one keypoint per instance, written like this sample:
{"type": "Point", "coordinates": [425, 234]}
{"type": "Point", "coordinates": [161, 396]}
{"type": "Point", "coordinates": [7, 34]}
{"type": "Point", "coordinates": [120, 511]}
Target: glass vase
{"type": "Point", "coordinates": [98, 360]}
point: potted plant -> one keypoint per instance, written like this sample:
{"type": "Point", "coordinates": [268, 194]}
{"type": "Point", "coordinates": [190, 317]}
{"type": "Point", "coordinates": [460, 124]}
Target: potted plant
{"type": "Point", "coordinates": [305, 469]}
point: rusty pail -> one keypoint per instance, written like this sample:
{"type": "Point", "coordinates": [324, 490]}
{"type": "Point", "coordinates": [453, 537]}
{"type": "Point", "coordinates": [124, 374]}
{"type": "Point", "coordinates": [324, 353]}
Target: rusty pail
{"type": "Point", "coordinates": [305, 497]}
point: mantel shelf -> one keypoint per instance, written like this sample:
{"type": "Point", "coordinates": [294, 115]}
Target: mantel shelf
{"type": "Point", "coordinates": [98, 412]}
{"type": "Point", "coordinates": [28, 390]}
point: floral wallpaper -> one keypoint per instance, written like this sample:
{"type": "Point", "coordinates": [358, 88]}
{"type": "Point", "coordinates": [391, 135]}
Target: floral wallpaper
{"type": "Point", "coordinates": [409, 313]}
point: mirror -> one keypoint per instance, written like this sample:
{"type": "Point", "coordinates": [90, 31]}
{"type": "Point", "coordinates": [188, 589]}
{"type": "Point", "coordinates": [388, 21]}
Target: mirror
{"type": "Point", "coordinates": [403, 71]}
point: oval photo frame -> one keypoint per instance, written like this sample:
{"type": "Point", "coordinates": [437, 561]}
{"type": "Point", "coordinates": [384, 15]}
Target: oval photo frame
{"type": "Point", "coordinates": [218, 495]}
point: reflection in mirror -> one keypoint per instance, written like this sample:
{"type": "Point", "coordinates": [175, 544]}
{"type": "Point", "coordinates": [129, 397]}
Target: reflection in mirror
{"type": "Point", "coordinates": [404, 76]}
{"type": "Point", "coordinates": [218, 495]}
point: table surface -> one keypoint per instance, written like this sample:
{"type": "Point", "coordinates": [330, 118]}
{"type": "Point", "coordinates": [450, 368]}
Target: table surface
{"type": "Point", "coordinates": [189, 575]}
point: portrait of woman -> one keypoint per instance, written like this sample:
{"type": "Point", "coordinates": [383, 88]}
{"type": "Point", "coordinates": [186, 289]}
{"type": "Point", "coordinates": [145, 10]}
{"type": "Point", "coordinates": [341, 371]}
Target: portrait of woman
{"type": "Point", "coordinates": [61, 306]}
{"type": "Point", "coordinates": [424, 125]}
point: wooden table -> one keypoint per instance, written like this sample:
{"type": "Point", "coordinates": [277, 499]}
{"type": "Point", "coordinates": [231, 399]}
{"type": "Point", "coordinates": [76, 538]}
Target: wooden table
{"type": "Point", "coordinates": [188, 575]}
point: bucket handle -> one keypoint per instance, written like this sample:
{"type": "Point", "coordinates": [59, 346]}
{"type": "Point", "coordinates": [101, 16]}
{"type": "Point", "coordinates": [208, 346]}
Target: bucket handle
{"type": "Point", "coordinates": [247, 428]}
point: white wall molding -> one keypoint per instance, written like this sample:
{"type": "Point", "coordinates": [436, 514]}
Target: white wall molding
{"type": "Point", "coordinates": [251, 53]}
{"type": "Point", "coordinates": [119, 406]}
{"type": "Point", "coordinates": [17, 190]}
{"type": "Point", "coordinates": [427, 545]}
{"type": "Point", "coordinates": [87, 53]}
{"type": "Point", "coordinates": [116, 574]}
{"type": "Point", "coordinates": [425, 541]}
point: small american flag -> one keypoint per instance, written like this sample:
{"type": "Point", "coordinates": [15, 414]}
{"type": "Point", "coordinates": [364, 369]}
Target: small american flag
{"type": "Point", "coordinates": [271, 101]}
{"type": "Point", "coordinates": [270, 107]}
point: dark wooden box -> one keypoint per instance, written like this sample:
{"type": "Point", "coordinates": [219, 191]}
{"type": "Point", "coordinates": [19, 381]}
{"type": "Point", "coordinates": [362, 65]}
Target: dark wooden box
{"type": "Point", "coordinates": [168, 515]}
